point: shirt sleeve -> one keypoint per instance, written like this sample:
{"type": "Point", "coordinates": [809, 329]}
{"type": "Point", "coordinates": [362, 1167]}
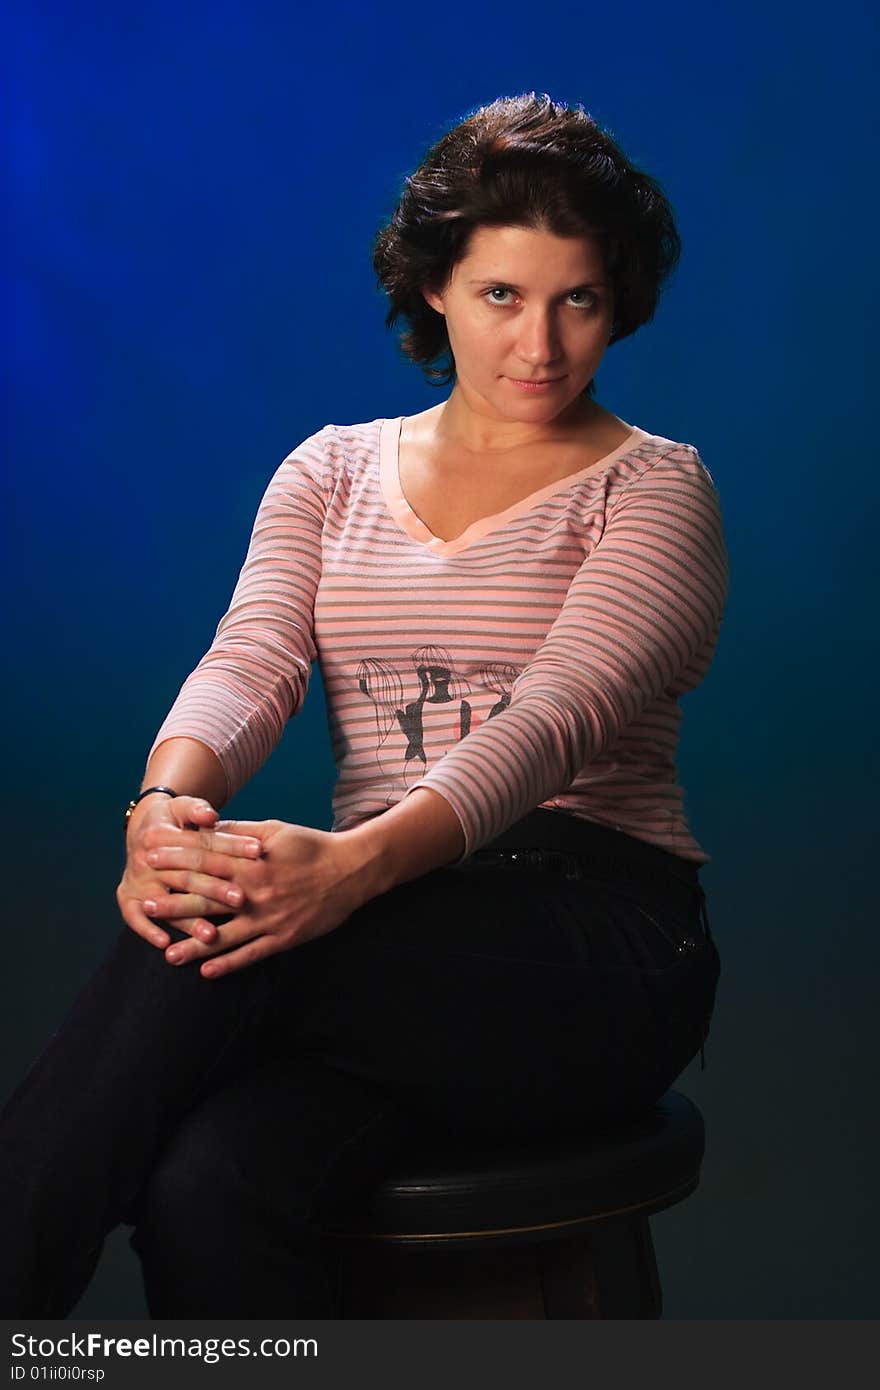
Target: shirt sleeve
{"type": "Point", "coordinates": [645, 601]}
{"type": "Point", "coordinates": [255, 674]}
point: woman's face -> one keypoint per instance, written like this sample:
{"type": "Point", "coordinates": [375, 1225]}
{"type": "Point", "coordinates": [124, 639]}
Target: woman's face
{"type": "Point", "coordinates": [526, 305]}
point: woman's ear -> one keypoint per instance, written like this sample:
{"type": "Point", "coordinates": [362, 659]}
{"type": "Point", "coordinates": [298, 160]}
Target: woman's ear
{"type": "Point", "coordinates": [433, 298]}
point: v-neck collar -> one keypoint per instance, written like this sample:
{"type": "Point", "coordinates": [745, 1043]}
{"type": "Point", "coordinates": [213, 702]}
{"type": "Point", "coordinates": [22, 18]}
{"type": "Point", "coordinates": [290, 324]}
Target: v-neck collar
{"type": "Point", "coordinates": [410, 522]}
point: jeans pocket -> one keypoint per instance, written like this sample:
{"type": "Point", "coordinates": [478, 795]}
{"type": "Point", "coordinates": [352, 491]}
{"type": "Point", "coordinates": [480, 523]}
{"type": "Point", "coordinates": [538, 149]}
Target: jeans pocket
{"type": "Point", "coordinates": [659, 969]}
{"type": "Point", "coordinates": [671, 939]}
{"type": "Point", "coordinates": [627, 933]}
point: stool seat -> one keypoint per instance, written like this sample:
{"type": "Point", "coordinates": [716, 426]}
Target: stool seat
{"type": "Point", "coordinates": [588, 1196]}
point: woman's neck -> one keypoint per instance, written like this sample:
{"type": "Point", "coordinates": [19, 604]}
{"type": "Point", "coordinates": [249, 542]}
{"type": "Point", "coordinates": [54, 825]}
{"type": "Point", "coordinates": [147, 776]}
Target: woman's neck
{"type": "Point", "coordinates": [460, 424]}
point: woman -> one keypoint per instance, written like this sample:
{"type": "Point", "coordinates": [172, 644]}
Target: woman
{"type": "Point", "coordinates": [504, 934]}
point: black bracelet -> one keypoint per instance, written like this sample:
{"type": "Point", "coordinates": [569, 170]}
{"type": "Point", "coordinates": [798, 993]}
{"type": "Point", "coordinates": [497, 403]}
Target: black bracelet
{"type": "Point", "coordinates": [134, 801]}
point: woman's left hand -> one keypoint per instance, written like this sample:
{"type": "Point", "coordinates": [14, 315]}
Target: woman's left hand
{"type": "Point", "coordinates": [305, 883]}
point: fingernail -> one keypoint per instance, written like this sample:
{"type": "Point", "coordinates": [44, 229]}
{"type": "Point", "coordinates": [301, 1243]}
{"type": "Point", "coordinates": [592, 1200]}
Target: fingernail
{"type": "Point", "coordinates": [233, 895]}
{"type": "Point", "coordinates": [206, 933]}
{"type": "Point", "coordinates": [149, 907]}
{"type": "Point", "coordinates": [173, 955]}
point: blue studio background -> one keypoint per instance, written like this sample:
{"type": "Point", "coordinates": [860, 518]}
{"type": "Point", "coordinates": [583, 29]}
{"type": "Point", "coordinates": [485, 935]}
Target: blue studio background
{"type": "Point", "coordinates": [193, 193]}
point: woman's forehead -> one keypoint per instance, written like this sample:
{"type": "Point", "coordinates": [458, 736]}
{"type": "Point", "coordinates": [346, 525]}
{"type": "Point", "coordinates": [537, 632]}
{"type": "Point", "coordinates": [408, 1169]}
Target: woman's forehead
{"type": "Point", "coordinates": [503, 252]}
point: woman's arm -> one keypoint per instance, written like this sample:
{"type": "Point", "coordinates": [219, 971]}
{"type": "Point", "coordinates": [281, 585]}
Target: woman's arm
{"type": "Point", "coordinates": [639, 621]}
{"type": "Point", "coordinates": [418, 834]}
{"type": "Point", "coordinates": [253, 678]}
{"type": "Point", "coordinates": [231, 710]}
{"type": "Point", "coordinates": [187, 765]}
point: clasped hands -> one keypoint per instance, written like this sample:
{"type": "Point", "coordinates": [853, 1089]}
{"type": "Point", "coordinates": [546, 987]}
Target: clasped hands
{"type": "Point", "coordinates": [283, 884]}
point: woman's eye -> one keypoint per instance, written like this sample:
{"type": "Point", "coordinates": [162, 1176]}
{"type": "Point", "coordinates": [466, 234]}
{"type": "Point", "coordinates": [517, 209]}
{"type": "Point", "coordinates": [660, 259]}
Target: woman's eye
{"type": "Point", "coordinates": [583, 304]}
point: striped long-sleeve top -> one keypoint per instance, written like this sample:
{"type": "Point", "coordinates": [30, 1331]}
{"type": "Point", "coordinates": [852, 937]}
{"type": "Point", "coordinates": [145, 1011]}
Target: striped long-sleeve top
{"type": "Point", "coordinates": [535, 660]}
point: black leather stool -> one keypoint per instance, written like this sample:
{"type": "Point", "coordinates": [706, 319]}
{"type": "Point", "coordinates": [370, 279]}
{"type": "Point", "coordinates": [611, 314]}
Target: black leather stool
{"type": "Point", "coordinates": [552, 1229]}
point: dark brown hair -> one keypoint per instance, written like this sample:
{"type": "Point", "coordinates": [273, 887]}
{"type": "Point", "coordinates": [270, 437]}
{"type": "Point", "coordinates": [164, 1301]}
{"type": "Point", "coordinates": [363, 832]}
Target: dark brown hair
{"type": "Point", "coordinates": [522, 161]}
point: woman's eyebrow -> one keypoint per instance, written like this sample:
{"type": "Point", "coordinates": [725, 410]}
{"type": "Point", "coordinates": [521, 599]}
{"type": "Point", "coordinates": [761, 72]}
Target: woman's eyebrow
{"type": "Point", "coordinates": [509, 285]}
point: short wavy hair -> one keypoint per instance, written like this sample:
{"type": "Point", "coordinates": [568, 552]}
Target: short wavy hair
{"type": "Point", "coordinates": [522, 161]}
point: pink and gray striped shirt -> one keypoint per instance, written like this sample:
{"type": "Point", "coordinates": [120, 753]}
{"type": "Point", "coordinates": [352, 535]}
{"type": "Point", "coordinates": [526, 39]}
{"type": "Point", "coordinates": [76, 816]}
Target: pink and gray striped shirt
{"type": "Point", "coordinates": [535, 660]}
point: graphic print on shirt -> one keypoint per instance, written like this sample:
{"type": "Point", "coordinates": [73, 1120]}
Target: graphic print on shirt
{"type": "Point", "coordinates": [438, 683]}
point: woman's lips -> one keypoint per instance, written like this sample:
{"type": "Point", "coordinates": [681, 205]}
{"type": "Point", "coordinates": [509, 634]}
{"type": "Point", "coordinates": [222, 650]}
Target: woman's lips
{"type": "Point", "coordinates": [535, 385]}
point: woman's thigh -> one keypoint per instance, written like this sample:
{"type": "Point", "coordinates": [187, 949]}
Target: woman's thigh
{"type": "Point", "coordinates": [504, 1002]}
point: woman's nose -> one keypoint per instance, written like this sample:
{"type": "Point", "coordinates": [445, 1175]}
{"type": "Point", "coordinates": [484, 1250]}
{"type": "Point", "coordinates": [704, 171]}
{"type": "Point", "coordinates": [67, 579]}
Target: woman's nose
{"type": "Point", "coordinates": [538, 340]}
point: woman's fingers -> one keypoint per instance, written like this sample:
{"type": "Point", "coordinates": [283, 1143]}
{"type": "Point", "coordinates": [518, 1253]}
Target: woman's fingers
{"type": "Point", "coordinates": [220, 959]}
{"type": "Point", "coordinates": [174, 906]}
{"type": "Point", "coordinates": [201, 885]}
{"type": "Point", "coordinates": [200, 930]}
{"type": "Point", "coordinates": [200, 875]}
{"type": "Point", "coordinates": [211, 874]}
{"type": "Point", "coordinates": [162, 834]}
{"type": "Point", "coordinates": [229, 932]}
{"type": "Point", "coordinates": [134, 916]}
{"type": "Point", "coordinates": [203, 861]}
{"type": "Point", "coordinates": [192, 810]}
{"type": "Point", "coordinates": [243, 829]}
{"type": "Point", "coordinates": [251, 951]}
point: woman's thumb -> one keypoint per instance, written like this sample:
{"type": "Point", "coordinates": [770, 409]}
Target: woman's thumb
{"type": "Point", "coordinates": [196, 808]}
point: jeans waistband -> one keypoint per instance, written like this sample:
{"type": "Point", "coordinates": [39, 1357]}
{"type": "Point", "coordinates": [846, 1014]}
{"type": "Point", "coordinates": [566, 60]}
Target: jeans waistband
{"type": "Point", "coordinates": [598, 844]}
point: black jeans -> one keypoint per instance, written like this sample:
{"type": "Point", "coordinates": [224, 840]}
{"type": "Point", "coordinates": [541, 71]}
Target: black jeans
{"type": "Point", "coordinates": [564, 973]}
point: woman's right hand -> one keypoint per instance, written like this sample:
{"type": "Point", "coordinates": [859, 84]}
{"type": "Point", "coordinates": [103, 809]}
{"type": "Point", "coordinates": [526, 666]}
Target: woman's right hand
{"type": "Point", "coordinates": [164, 820]}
